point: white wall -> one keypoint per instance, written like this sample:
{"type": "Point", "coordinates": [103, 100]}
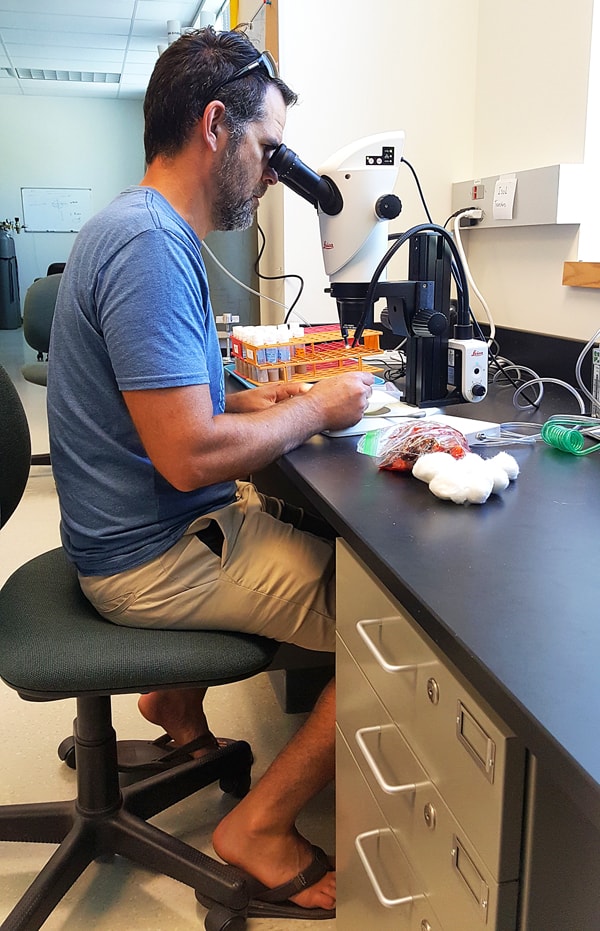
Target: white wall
{"type": "Point", "coordinates": [532, 73]}
{"type": "Point", "coordinates": [64, 142]}
{"type": "Point", "coordinates": [531, 106]}
{"type": "Point", "coordinates": [480, 87]}
{"type": "Point", "coordinates": [364, 68]}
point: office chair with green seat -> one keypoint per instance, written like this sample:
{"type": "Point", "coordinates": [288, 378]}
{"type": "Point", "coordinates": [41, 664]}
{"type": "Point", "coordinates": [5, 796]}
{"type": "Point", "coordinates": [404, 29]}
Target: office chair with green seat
{"type": "Point", "coordinates": [53, 645]}
{"type": "Point", "coordinates": [38, 311]}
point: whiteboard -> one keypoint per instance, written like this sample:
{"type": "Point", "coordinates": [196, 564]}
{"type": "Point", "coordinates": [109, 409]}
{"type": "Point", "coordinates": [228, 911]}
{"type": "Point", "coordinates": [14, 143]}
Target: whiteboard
{"type": "Point", "coordinates": [55, 210]}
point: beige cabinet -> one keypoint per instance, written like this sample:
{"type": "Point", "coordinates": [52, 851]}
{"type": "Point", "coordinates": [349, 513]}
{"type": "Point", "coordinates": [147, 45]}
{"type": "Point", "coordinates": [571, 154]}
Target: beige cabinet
{"type": "Point", "coordinates": [429, 777]}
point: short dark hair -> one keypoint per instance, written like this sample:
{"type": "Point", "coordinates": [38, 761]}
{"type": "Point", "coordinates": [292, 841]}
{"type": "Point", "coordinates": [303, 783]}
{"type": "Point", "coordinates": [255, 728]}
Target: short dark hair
{"type": "Point", "coordinates": [180, 88]}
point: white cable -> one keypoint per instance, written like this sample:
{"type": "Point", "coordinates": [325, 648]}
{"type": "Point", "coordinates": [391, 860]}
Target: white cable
{"type": "Point", "coordinates": [474, 288]}
{"type": "Point", "coordinates": [501, 362]}
{"type": "Point", "coordinates": [247, 287]}
{"type": "Point", "coordinates": [552, 381]}
{"type": "Point", "coordinates": [506, 438]}
{"type": "Point", "coordinates": [534, 381]}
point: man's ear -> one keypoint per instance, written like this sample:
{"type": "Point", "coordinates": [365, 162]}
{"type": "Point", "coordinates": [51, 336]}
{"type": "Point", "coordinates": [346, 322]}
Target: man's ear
{"type": "Point", "coordinates": [214, 129]}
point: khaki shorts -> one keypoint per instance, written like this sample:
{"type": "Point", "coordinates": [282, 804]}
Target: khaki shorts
{"type": "Point", "coordinates": [264, 576]}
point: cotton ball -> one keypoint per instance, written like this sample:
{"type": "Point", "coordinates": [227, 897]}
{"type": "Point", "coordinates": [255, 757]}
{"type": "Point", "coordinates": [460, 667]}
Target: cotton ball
{"type": "Point", "coordinates": [508, 463]}
{"type": "Point", "coordinates": [449, 486]}
{"type": "Point", "coordinates": [431, 464]}
{"type": "Point", "coordinates": [499, 477]}
{"type": "Point", "coordinates": [479, 487]}
{"type": "Point", "coordinates": [478, 466]}
{"type": "Point", "coordinates": [472, 462]}
{"type": "Point", "coordinates": [477, 480]}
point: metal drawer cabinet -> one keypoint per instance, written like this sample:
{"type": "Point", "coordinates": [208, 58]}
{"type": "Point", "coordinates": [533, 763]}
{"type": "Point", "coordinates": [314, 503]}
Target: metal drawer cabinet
{"type": "Point", "coordinates": [473, 759]}
{"type": "Point", "coordinates": [460, 887]}
{"type": "Point", "coordinates": [376, 887]}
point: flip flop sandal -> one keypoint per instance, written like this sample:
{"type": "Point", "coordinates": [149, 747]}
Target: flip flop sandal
{"type": "Point", "coordinates": [155, 756]}
{"type": "Point", "coordinates": [151, 756]}
{"type": "Point", "coordinates": [274, 903]}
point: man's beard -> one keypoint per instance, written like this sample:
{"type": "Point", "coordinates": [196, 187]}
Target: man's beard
{"type": "Point", "coordinates": [233, 208]}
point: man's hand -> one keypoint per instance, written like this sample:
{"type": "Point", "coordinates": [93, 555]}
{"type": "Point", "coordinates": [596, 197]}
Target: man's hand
{"type": "Point", "coordinates": [259, 399]}
{"type": "Point", "coordinates": [342, 399]}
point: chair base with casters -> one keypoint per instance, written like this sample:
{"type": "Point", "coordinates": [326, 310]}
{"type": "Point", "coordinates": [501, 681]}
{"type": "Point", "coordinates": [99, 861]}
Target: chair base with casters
{"type": "Point", "coordinates": [54, 645]}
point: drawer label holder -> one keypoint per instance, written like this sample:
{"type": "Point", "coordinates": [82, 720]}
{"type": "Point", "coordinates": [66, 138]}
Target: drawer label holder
{"type": "Point", "coordinates": [470, 876]}
{"type": "Point", "coordinates": [477, 742]}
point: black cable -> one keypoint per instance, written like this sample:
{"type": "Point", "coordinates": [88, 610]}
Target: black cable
{"type": "Point", "coordinates": [496, 360]}
{"type": "Point", "coordinates": [463, 295]}
{"type": "Point", "coordinates": [419, 188]}
{"type": "Point", "coordinates": [276, 277]}
{"type": "Point", "coordinates": [400, 238]}
{"type": "Point", "coordinates": [456, 214]}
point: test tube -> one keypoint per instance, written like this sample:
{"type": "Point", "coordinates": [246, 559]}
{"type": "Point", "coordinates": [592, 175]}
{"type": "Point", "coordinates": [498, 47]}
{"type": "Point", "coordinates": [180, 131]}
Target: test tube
{"type": "Point", "coordinates": [299, 348]}
{"type": "Point", "coordinates": [284, 349]}
{"type": "Point", "coordinates": [272, 352]}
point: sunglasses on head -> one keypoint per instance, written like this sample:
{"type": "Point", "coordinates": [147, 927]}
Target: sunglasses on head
{"type": "Point", "coordinates": [265, 61]}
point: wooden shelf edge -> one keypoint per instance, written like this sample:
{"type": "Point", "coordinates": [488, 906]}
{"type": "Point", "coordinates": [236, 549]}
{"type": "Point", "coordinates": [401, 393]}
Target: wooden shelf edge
{"type": "Point", "coordinates": [581, 274]}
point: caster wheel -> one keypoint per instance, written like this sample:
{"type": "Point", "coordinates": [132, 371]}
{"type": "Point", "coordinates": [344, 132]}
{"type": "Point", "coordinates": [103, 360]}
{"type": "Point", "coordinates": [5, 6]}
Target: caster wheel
{"type": "Point", "coordinates": [238, 785]}
{"type": "Point", "coordinates": [220, 918]}
{"type": "Point", "coordinates": [66, 752]}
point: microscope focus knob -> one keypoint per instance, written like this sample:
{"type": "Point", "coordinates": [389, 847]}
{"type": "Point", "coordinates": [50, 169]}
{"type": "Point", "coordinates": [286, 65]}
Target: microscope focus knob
{"type": "Point", "coordinates": [429, 323]}
{"type": "Point", "coordinates": [388, 207]}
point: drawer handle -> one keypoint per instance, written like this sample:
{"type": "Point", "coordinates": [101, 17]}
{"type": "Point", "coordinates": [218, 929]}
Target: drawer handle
{"type": "Point", "coordinates": [362, 626]}
{"type": "Point", "coordinates": [382, 898]}
{"type": "Point", "coordinates": [372, 763]}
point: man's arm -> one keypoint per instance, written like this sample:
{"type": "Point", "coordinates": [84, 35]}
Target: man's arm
{"type": "Point", "coordinates": [262, 397]}
{"type": "Point", "coordinates": [190, 447]}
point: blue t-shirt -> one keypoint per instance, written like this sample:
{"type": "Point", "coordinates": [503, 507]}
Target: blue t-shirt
{"type": "Point", "coordinates": [133, 312]}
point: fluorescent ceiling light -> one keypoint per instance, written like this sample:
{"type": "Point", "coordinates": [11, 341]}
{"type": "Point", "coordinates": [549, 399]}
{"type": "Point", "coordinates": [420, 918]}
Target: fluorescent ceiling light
{"type": "Point", "coordinates": [49, 74]}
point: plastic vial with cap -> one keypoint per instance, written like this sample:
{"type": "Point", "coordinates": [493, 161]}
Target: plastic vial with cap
{"type": "Point", "coordinates": [272, 352]}
{"type": "Point", "coordinates": [284, 349]}
{"type": "Point", "coordinates": [297, 332]}
{"type": "Point", "coordinates": [255, 339]}
{"type": "Point", "coordinates": [237, 334]}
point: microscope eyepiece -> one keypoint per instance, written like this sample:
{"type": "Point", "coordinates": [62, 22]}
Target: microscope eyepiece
{"type": "Point", "coordinates": [318, 190]}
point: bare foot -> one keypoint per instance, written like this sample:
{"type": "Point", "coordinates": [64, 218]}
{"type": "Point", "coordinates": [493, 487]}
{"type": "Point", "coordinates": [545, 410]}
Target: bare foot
{"type": "Point", "coordinates": [179, 712]}
{"type": "Point", "coordinates": [273, 859]}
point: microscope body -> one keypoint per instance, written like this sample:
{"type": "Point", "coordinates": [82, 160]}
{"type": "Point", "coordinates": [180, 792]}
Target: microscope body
{"type": "Point", "coordinates": [354, 239]}
{"type": "Point", "coordinates": [352, 192]}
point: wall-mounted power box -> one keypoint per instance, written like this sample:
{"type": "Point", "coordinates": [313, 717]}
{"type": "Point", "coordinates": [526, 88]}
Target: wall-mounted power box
{"type": "Point", "coordinates": [533, 197]}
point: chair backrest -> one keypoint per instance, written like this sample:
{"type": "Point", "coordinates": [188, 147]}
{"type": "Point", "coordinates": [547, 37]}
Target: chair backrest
{"type": "Point", "coordinates": [56, 268]}
{"type": "Point", "coordinates": [38, 311]}
{"type": "Point", "coordinates": [15, 448]}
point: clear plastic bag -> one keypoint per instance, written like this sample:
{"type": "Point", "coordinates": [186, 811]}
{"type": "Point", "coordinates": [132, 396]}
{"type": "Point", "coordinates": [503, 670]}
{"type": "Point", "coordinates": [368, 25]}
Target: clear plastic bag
{"type": "Point", "coordinates": [398, 448]}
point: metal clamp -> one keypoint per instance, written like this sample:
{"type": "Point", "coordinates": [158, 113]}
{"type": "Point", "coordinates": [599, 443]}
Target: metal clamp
{"type": "Point", "coordinates": [381, 897]}
{"type": "Point", "coordinates": [362, 626]}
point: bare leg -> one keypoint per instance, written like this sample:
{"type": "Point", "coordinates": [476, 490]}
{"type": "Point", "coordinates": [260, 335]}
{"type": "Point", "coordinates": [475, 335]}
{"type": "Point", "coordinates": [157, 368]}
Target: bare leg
{"type": "Point", "coordinates": [178, 711]}
{"type": "Point", "coordinates": [259, 835]}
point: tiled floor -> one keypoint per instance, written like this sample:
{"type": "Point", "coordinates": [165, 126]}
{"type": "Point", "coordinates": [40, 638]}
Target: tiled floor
{"type": "Point", "coordinates": [117, 896]}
